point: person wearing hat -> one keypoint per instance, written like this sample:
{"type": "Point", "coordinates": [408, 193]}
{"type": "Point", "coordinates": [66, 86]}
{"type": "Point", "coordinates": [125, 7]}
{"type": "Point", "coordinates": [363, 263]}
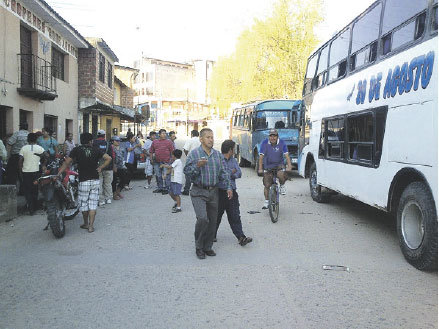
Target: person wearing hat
{"type": "Point", "coordinates": [106, 175]}
{"type": "Point", "coordinates": [272, 152]}
{"type": "Point", "coordinates": [14, 145]}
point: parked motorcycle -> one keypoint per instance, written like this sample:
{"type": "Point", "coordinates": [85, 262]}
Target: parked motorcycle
{"type": "Point", "coordinates": [60, 196]}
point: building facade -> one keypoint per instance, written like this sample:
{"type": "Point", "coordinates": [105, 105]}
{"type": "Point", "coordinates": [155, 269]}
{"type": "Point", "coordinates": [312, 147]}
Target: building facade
{"type": "Point", "coordinates": [38, 69]}
{"type": "Point", "coordinates": [176, 93]}
{"type": "Point", "coordinates": [96, 88]}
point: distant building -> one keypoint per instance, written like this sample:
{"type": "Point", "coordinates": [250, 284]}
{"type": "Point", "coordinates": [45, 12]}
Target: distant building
{"type": "Point", "coordinates": [176, 93]}
{"type": "Point", "coordinates": [105, 101]}
{"type": "Point", "coordinates": [38, 69]}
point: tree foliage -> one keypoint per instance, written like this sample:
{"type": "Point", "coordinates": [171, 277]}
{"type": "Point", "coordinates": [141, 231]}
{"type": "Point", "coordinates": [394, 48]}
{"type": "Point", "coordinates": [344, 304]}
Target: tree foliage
{"type": "Point", "coordinates": [270, 57]}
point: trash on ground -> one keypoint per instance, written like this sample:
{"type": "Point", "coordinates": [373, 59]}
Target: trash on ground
{"type": "Point", "coordinates": [336, 268]}
{"type": "Point", "coordinates": [251, 212]}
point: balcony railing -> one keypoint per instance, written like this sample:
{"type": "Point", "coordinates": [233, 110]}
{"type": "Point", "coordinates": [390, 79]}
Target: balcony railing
{"type": "Point", "coordinates": [35, 78]}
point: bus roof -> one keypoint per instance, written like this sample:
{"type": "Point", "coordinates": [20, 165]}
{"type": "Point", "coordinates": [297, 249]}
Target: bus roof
{"type": "Point", "coordinates": [273, 104]}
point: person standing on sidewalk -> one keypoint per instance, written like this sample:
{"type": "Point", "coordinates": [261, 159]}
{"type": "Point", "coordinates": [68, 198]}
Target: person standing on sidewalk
{"type": "Point", "coordinates": [15, 143]}
{"type": "Point", "coordinates": [106, 175]}
{"type": "Point", "coordinates": [190, 145]}
{"type": "Point", "coordinates": [176, 180]}
{"type": "Point", "coordinates": [130, 160]}
{"type": "Point", "coordinates": [148, 160]}
{"type": "Point", "coordinates": [162, 149]}
{"type": "Point", "coordinates": [120, 170]}
{"type": "Point", "coordinates": [69, 144]}
{"type": "Point", "coordinates": [3, 157]}
{"type": "Point", "coordinates": [29, 167]}
{"type": "Point", "coordinates": [206, 168]}
{"type": "Point", "coordinates": [231, 206]}
{"type": "Point", "coordinates": [172, 138]}
{"type": "Point", "coordinates": [87, 158]}
{"type": "Point", "coordinates": [48, 143]}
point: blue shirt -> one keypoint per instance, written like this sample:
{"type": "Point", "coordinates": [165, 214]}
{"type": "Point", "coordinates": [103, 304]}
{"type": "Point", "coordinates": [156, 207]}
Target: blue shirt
{"type": "Point", "coordinates": [129, 155]}
{"type": "Point", "coordinates": [273, 155]}
{"type": "Point", "coordinates": [47, 145]}
{"type": "Point", "coordinates": [230, 165]}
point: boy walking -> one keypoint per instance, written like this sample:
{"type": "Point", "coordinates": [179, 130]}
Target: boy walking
{"type": "Point", "coordinates": [176, 179]}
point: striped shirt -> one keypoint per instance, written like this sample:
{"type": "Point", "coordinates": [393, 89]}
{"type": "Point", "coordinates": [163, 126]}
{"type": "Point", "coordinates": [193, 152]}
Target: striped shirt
{"type": "Point", "coordinates": [18, 140]}
{"type": "Point", "coordinates": [212, 173]}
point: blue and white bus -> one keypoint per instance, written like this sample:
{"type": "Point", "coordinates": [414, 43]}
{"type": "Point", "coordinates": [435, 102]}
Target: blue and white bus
{"type": "Point", "coordinates": [370, 94]}
{"type": "Point", "coordinates": [251, 122]}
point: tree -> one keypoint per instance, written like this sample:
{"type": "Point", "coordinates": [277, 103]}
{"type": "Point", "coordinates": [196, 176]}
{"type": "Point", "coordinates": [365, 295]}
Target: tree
{"type": "Point", "coordinates": [270, 57]}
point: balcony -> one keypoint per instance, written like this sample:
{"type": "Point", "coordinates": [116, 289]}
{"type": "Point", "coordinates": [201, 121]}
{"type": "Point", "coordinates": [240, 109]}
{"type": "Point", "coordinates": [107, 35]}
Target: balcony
{"type": "Point", "coordinates": [35, 78]}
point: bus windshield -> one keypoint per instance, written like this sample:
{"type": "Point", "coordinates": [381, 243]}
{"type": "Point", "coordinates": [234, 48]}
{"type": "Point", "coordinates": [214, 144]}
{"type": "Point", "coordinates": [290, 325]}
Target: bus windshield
{"type": "Point", "coordinates": [273, 119]}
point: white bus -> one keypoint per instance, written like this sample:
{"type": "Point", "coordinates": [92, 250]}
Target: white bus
{"type": "Point", "coordinates": [370, 95]}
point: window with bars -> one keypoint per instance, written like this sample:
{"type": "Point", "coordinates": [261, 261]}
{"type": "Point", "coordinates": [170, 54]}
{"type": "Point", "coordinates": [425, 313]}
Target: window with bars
{"type": "Point", "coordinates": [101, 68]}
{"type": "Point", "coordinates": [110, 75]}
{"type": "Point", "coordinates": [57, 64]}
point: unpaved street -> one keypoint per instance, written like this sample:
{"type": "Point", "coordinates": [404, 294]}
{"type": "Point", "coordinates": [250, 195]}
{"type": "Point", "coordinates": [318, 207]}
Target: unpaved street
{"type": "Point", "coordinates": [139, 269]}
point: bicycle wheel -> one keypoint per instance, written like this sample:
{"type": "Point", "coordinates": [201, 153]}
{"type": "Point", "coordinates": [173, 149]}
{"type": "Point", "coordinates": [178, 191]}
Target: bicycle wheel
{"type": "Point", "coordinates": [273, 203]}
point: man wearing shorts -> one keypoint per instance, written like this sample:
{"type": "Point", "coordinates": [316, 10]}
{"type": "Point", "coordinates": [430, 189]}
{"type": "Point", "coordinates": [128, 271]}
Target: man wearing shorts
{"type": "Point", "coordinates": [272, 152]}
{"type": "Point", "coordinates": [87, 158]}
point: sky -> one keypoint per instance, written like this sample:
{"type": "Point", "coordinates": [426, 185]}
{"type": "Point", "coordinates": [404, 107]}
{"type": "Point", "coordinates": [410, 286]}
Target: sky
{"type": "Point", "coordinates": [183, 30]}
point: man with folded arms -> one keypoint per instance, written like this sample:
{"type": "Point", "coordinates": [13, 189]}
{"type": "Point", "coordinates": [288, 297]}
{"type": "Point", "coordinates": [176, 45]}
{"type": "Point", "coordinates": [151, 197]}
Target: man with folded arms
{"type": "Point", "coordinates": [206, 168]}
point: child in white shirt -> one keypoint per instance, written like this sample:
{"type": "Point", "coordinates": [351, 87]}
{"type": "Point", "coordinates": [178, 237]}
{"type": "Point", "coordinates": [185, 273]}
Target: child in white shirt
{"type": "Point", "coordinates": [177, 179]}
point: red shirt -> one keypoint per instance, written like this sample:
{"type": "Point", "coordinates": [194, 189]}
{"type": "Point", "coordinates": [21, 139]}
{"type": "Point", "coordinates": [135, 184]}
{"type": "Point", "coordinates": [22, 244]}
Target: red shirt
{"type": "Point", "coordinates": [163, 149]}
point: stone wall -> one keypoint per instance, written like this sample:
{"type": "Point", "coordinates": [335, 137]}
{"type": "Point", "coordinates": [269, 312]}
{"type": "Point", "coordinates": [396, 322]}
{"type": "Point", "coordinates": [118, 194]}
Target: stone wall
{"type": "Point", "coordinates": [8, 202]}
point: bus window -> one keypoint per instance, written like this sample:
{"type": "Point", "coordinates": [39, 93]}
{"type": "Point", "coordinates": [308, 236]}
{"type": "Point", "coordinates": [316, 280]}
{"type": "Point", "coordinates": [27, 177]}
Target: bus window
{"type": "Point", "coordinates": [322, 70]}
{"type": "Point", "coordinates": [364, 38]}
{"type": "Point", "coordinates": [403, 22]}
{"type": "Point", "coordinates": [380, 127]}
{"type": "Point", "coordinates": [360, 137]}
{"type": "Point", "coordinates": [335, 138]}
{"type": "Point", "coordinates": [273, 119]}
{"type": "Point", "coordinates": [310, 72]}
{"type": "Point", "coordinates": [434, 19]}
{"type": "Point", "coordinates": [246, 119]}
{"type": "Point", "coordinates": [337, 56]}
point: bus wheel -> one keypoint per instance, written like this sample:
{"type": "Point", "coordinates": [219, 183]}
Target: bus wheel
{"type": "Point", "coordinates": [315, 189]}
{"type": "Point", "coordinates": [417, 226]}
{"type": "Point", "coordinates": [241, 161]}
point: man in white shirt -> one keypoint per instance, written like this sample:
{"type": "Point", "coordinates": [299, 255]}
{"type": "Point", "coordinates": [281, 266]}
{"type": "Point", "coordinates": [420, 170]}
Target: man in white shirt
{"type": "Point", "coordinates": [29, 169]}
{"type": "Point", "coordinates": [190, 145]}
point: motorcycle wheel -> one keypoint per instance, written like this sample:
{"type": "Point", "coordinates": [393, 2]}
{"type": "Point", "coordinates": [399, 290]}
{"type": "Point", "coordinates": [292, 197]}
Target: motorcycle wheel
{"type": "Point", "coordinates": [56, 220]}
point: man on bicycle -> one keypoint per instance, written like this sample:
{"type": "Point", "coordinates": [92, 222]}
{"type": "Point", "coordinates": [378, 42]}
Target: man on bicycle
{"type": "Point", "coordinates": [271, 155]}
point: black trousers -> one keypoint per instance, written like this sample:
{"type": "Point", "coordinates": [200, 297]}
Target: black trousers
{"type": "Point", "coordinates": [231, 207]}
{"type": "Point", "coordinates": [119, 179]}
{"type": "Point", "coordinates": [31, 189]}
{"type": "Point", "coordinates": [12, 170]}
{"type": "Point", "coordinates": [131, 167]}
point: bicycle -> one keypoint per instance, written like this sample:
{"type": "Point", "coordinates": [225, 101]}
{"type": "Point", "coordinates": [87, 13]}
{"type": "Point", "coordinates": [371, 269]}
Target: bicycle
{"type": "Point", "coordinates": [273, 197]}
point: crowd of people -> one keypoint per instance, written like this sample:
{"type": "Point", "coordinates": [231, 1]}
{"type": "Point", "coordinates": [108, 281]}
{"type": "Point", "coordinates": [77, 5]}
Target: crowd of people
{"type": "Point", "coordinates": [106, 168]}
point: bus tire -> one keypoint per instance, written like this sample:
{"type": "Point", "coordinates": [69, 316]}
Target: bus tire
{"type": "Point", "coordinates": [417, 226]}
{"type": "Point", "coordinates": [315, 189]}
{"type": "Point", "coordinates": [241, 161]}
